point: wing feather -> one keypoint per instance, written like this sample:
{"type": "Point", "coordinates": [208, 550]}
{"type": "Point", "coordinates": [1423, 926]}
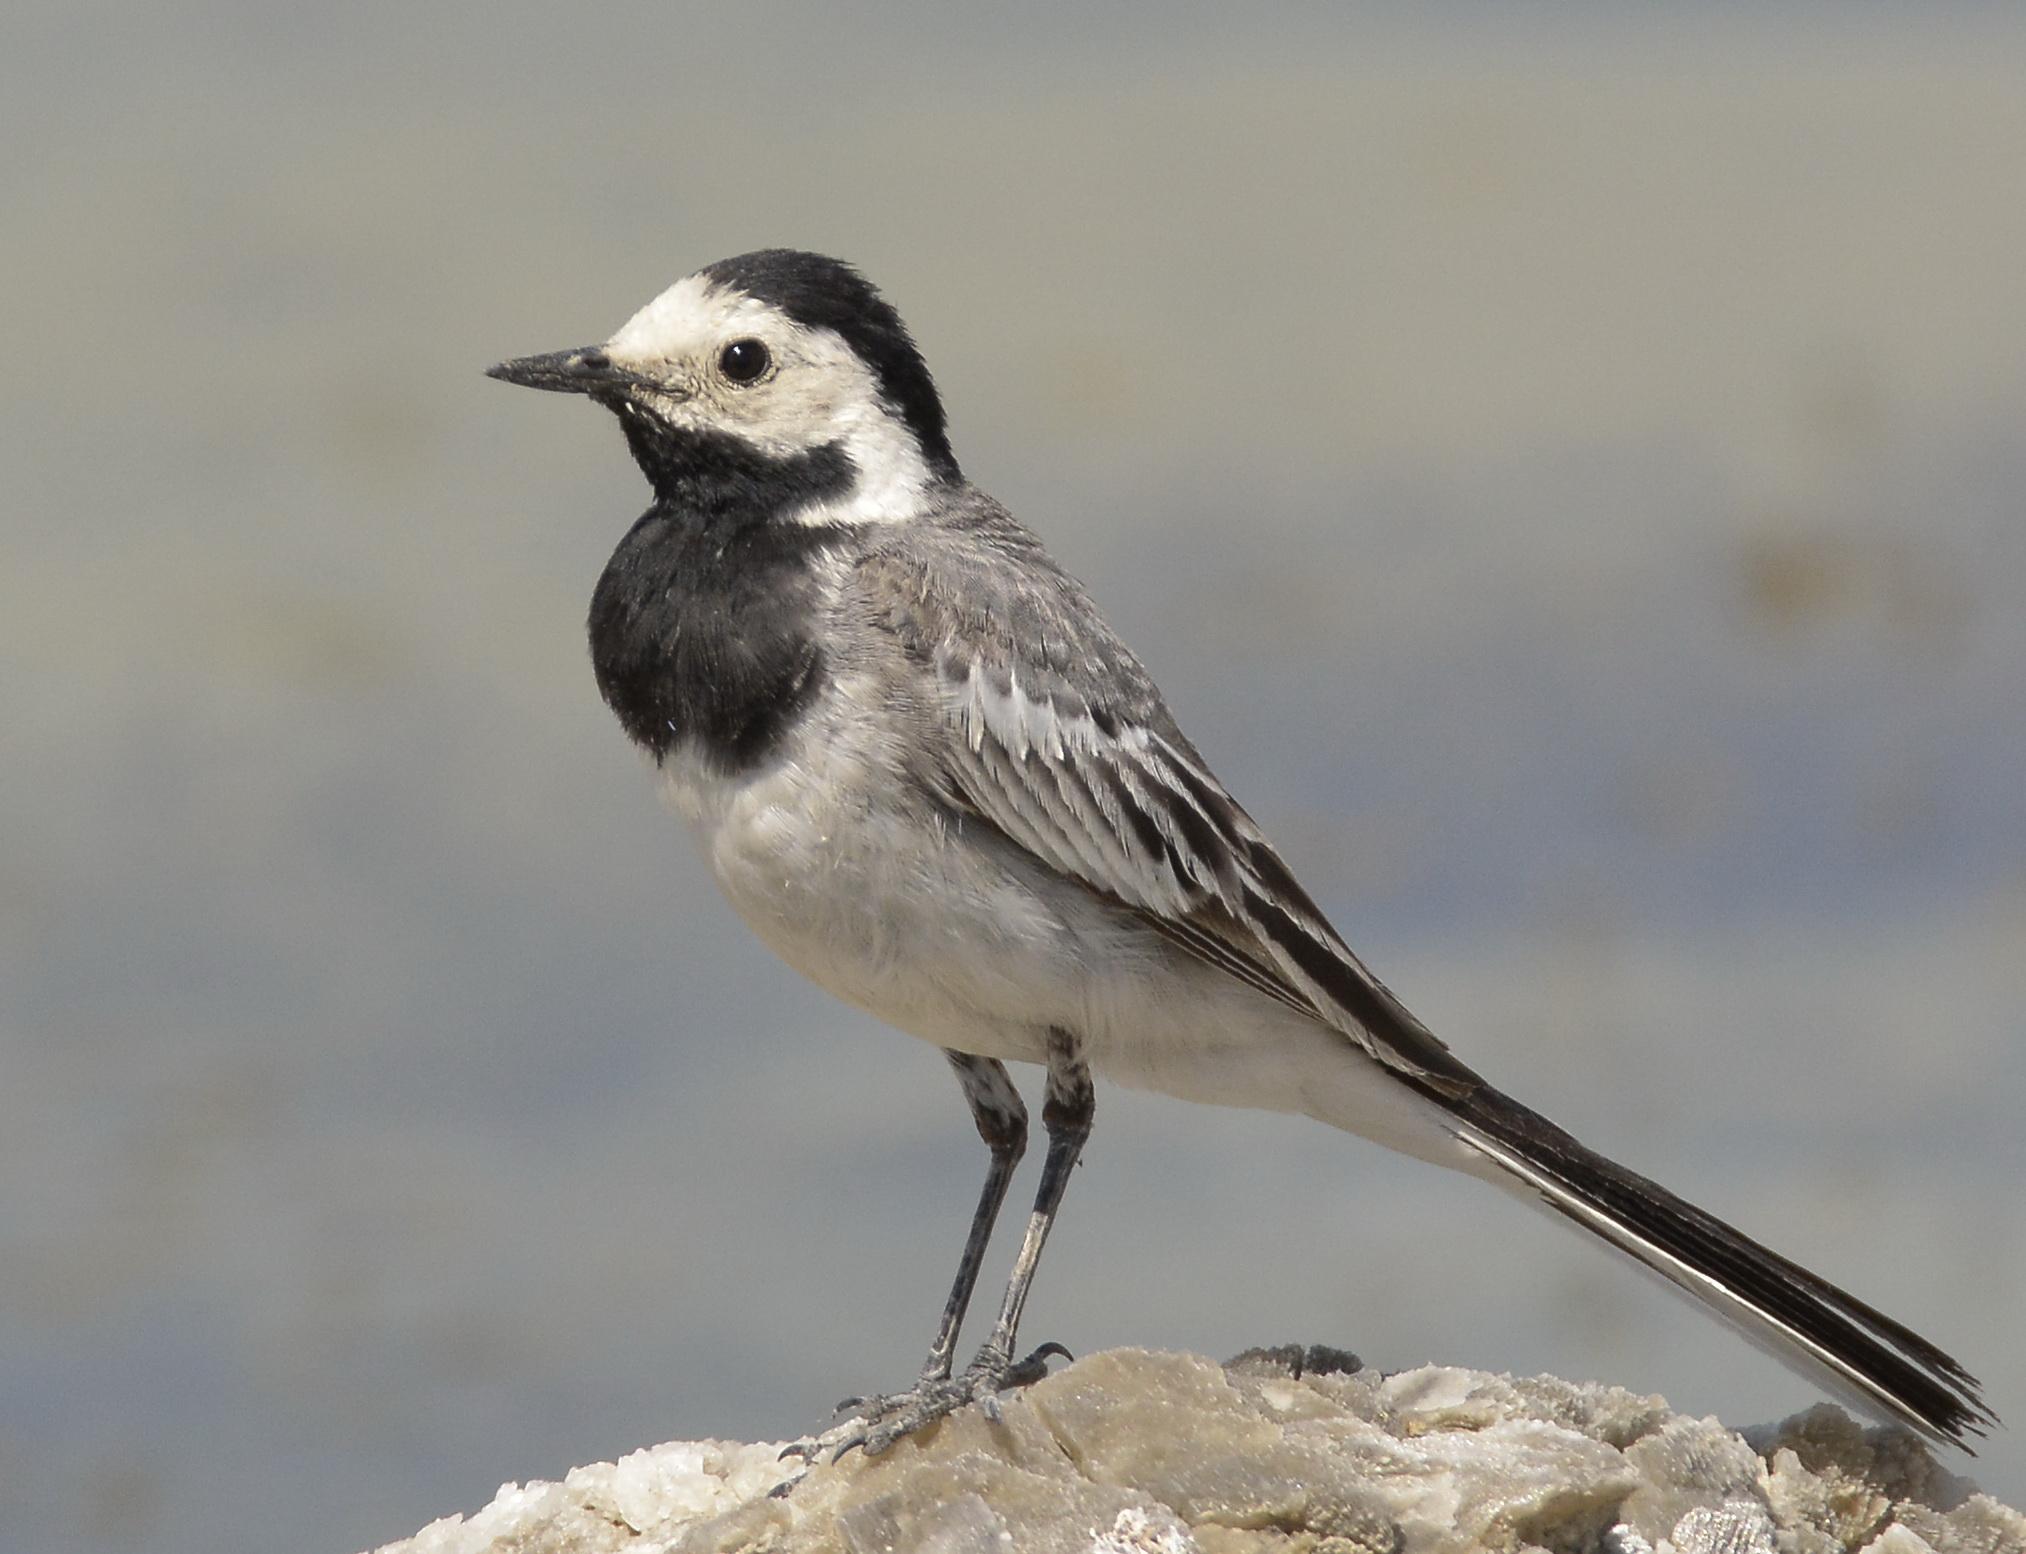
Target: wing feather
{"type": "Point", "coordinates": [1056, 736]}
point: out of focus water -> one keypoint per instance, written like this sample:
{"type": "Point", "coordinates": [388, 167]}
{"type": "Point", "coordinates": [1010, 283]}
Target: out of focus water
{"type": "Point", "coordinates": [1567, 475]}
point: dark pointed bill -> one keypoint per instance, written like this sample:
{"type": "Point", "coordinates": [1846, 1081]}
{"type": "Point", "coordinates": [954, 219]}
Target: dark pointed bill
{"type": "Point", "coordinates": [586, 370]}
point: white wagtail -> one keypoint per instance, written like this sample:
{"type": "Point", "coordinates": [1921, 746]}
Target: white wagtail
{"type": "Point", "coordinates": [928, 774]}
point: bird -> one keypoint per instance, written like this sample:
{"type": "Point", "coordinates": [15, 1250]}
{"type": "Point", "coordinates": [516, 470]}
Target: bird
{"type": "Point", "coordinates": [933, 780]}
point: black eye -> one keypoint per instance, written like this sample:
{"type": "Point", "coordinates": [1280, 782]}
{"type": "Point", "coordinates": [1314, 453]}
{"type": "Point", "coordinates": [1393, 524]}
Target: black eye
{"type": "Point", "coordinates": [744, 360]}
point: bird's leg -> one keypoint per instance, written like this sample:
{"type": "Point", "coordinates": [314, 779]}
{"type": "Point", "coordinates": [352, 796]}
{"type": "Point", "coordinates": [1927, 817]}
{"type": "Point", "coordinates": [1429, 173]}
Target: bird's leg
{"type": "Point", "coordinates": [879, 1422]}
{"type": "Point", "coordinates": [1066, 1116]}
{"type": "Point", "coordinates": [1002, 1124]}
{"type": "Point", "coordinates": [1001, 1118]}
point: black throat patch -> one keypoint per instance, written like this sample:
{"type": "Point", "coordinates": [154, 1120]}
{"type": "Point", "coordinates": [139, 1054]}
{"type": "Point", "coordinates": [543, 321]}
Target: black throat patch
{"type": "Point", "coordinates": [703, 624]}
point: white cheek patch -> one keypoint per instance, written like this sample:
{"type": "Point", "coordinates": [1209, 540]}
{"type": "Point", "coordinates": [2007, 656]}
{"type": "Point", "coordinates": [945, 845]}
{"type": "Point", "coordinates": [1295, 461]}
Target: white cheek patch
{"type": "Point", "coordinates": [818, 393]}
{"type": "Point", "coordinates": [830, 396]}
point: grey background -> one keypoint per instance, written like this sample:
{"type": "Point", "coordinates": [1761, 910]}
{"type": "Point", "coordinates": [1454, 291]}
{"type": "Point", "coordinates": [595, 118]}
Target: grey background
{"type": "Point", "coordinates": [1563, 465]}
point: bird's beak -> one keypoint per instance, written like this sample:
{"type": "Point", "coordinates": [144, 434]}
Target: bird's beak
{"type": "Point", "coordinates": [587, 370]}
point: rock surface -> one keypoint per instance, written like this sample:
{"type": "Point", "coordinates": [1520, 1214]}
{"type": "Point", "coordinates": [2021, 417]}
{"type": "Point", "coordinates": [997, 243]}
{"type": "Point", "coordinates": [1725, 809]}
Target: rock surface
{"type": "Point", "coordinates": [1293, 1451]}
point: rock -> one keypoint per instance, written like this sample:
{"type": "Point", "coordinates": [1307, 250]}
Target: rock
{"type": "Point", "coordinates": [1294, 1451]}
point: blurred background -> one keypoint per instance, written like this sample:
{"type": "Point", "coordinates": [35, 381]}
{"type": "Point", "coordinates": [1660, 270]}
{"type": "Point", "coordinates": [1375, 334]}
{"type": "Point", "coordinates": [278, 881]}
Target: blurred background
{"type": "Point", "coordinates": [1564, 464]}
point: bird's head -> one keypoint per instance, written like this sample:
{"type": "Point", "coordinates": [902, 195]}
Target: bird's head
{"type": "Point", "coordinates": [776, 370]}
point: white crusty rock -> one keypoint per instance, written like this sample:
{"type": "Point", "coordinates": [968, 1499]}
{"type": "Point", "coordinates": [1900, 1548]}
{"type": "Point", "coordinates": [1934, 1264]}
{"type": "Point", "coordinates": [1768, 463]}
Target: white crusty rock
{"type": "Point", "coordinates": [1292, 1451]}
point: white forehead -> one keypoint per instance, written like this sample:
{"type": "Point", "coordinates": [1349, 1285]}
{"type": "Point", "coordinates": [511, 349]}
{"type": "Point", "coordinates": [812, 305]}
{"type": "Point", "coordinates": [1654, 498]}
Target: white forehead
{"type": "Point", "coordinates": [694, 314]}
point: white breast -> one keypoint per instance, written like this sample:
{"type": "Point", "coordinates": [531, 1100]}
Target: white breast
{"type": "Point", "coordinates": [858, 883]}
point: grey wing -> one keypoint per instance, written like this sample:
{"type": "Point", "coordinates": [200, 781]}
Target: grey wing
{"type": "Point", "coordinates": [1053, 733]}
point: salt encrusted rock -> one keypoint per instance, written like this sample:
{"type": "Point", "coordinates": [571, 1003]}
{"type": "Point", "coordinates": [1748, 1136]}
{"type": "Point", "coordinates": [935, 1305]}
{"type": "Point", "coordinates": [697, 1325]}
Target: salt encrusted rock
{"type": "Point", "coordinates": [1294, 1451]}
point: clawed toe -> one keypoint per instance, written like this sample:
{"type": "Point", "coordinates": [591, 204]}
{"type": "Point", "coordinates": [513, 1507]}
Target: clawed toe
{"type": "Point", "coordinates": [879, 1422]}
{"type": "Point", "coordinates": [1033, 1368]}
{"type": "Point", "coordinates": [893, 1416]}
{"type": "Point", "coordinates": [812, 1449]}
{"type": "Point", "coordinates": [804, 1451]}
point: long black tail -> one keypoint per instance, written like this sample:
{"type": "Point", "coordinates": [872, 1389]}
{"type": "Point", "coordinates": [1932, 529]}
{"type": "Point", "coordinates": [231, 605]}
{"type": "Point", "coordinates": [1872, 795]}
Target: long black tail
{"type": "Point", "coordinates": [1797, 1316]}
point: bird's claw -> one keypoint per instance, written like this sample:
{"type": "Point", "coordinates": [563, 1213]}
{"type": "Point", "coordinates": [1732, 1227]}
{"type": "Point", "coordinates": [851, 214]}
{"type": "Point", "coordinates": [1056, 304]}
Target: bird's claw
{"type": "Point", "coordinates": [812, 1449]}
{"type": "Point", "coordinates": [879, 1422]}
{"type": "Point", "coordinates": [1034, 1367]}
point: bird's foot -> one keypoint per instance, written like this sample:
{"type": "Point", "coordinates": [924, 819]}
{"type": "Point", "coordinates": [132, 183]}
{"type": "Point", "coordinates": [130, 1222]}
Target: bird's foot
{"type": "Point", "coordinates": [875, 1423]}
{"type": "Point", "coordinates": [879, 1422]}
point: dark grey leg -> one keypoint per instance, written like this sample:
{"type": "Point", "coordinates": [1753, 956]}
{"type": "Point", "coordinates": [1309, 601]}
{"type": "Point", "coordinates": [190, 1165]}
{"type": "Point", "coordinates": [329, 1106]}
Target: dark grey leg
{"type": "Point", "coordinates": [1066, 1116]}
{"type": "Point", "coordinates": [1002, 1124]}
{"type": "Point", "coordinates": [881, 1421]}
{"type": "Point", "coordinates": [1001, 1119]}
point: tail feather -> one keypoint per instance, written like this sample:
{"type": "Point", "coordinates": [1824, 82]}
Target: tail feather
{"type": "Point", "coordinates": [1796, 1315]}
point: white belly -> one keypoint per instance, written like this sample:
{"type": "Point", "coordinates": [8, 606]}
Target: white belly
{"type": "Point", "coordinates": [967, 943]}
{"type": "Point", "coordinates": [881, 909]}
